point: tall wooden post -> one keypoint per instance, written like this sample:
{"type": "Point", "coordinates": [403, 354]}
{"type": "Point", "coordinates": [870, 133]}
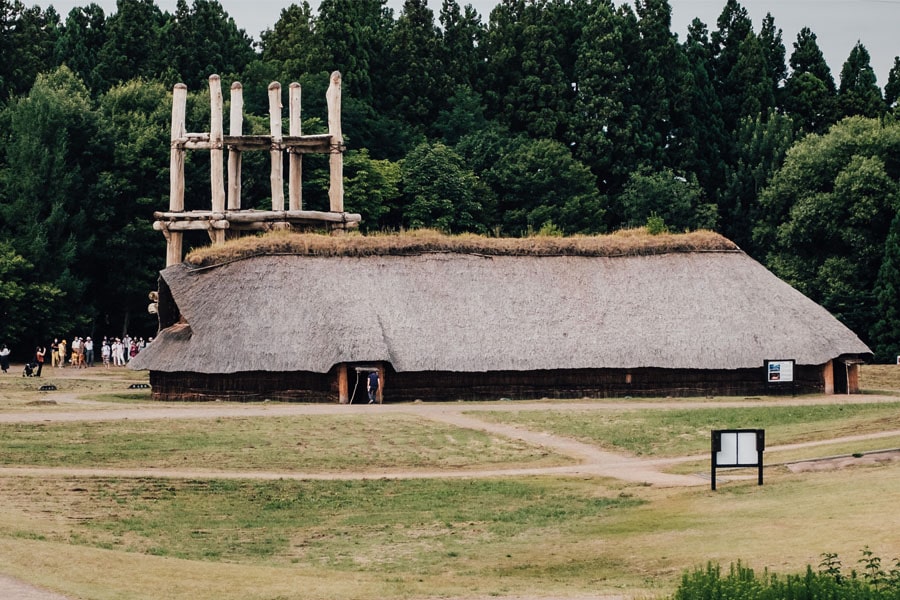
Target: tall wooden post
{"type": "Point", "coordinates": [216, 153]}
{"type": "Point", "coordinates": [235, 128]}
{"type": "Point", "coordinates": [276, 177]}
{"type": "Point", "coordinates": [343, 384]}
{"type": "Point", "coordinates": [295, 173]}
{"type": "Point", "coordinates": [336, 159]}
{"type": "Point", "coordinates": [176, 171]}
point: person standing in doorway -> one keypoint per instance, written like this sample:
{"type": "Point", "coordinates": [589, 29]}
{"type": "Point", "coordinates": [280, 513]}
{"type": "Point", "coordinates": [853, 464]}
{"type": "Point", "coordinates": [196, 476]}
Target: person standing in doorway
{"type": "Point", "coordinates": [372, 386]}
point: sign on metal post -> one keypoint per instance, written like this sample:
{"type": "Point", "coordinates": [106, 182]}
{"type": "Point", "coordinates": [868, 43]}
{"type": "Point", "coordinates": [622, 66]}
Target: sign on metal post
{"type": "Point", "coordinates": [733, 448]}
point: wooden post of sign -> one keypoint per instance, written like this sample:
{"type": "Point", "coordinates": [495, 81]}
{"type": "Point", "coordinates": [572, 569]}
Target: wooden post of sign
{"type": "Point", "coordinates": [216, 154]}
{"type": "Point", "coordinates": [276, 177]}
{"type": "Point", "coordinates": [336, 159]}
{"type": "Point", "coordinates": [235, 128]}
{"type": "Point", "coordinates": [176, 171]}
{"type": "Point", "coordinates": [295, 168]}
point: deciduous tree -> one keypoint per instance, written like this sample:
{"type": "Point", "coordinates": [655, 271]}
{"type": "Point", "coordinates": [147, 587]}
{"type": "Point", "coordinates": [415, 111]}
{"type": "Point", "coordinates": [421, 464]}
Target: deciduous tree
{"type": "Point", "coordinates": [439, 191]}
{"type": "Point", "coordinates": [825, 217]}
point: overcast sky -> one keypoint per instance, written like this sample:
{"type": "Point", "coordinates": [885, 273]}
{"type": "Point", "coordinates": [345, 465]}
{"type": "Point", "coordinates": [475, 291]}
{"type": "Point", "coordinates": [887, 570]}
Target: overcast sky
{"type": "Point", "coordinates": [838, 24]}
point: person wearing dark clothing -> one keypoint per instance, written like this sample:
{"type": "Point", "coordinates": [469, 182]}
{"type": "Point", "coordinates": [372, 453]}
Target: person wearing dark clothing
{"type": "Point", "coordinates": [39, 359]}
{"type": "Point", "coordinates": [372, 386]}
{"type": "Point", "coordinates": [4, 358]}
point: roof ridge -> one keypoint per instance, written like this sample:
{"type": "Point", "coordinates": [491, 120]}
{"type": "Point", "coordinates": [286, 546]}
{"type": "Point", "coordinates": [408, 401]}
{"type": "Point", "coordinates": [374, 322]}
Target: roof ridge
{"type": "Point", "coordinates": [420, 242]}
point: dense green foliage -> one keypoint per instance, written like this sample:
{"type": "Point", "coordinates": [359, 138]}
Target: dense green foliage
{"type": "Point", "coordinates": [872, 582]}
{"type": "Point", "coordinates": [565, 116]}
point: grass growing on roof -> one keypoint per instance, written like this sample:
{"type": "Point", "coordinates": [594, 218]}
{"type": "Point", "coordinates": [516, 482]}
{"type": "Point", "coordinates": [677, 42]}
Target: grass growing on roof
{"type": "Point", "coordinates": [631, 242]}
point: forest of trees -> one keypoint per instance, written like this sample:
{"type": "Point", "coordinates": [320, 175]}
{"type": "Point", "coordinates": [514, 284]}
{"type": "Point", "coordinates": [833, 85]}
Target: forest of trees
{"type": "Point", "coordinates": [544, 117]}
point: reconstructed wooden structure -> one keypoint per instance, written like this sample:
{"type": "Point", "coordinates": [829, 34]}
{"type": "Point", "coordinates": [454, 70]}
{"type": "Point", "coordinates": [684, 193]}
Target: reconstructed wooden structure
{"type": "Point", "coordinates": [487, 318]}
{"type": "Point", "coordinates": [222, 220]}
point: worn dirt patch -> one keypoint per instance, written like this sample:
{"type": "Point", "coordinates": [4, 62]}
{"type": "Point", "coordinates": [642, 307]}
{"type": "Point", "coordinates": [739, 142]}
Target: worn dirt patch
{"type": "Point", "coordinates": [843, 462]}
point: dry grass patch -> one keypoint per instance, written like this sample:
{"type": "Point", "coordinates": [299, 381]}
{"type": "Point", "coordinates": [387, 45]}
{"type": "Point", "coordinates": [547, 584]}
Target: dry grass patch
{"type": "Point", "coordinates": [98, 384]}
{"type": "Point", "coordinates": [784, 524]}
{"type": "Point", "coordinates": [407, 537]}
{"type": "Point", "coordinates": [528, 537]}
{"type": "Point", "coordinates": [880, 378]}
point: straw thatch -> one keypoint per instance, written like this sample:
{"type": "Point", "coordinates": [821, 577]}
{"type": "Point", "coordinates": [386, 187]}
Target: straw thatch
{"type": "Point", "coordinates": [707, 307]}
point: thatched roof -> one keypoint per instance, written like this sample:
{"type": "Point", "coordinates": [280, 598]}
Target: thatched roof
{"type": "Point", "coordinates": [711, 307]}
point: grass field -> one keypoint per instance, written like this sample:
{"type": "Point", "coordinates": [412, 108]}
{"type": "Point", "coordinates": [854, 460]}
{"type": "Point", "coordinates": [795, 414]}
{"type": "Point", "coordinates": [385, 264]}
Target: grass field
{"type": "Point", "coordinates": [669, 433]}
{"type": "Point", "coordinates": [296, 443]}
{"type": "Point", "coordinates": [543, 536]}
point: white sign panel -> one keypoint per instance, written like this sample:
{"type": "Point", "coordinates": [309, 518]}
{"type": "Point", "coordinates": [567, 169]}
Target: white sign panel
{"type": "Point", "coordinates": [738, 448]}
{"type": "Point", "coordinates": [780, 371]}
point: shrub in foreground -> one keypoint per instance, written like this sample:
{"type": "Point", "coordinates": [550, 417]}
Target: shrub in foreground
{"type": "Point", "coordinates": [828, 583]}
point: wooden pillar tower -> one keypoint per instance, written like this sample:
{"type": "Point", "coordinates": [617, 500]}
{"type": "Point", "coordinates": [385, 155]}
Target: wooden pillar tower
{"type": "Point", "coordinates": [222, 220]}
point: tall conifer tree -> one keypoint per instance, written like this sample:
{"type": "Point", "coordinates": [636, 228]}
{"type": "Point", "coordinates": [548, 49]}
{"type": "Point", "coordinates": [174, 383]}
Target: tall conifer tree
{"type": "Point", "coordinates": [859, 93]}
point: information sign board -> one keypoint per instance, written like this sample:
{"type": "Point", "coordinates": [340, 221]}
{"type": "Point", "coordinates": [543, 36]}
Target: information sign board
{"type": "Point", "coordinates": [780, 371]}
{"type": "Point", "coordinates": [733, 448]}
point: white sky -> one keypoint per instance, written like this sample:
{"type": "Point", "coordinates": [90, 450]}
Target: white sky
{"type": "Point", "coordinates": [838, 24]}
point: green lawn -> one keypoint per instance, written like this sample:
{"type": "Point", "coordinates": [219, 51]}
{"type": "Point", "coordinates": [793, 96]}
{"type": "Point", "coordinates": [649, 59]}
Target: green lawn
{"type": "Point", "coordinates": [307, 444]}
{"type": "Point", "coordinates": [679, 432]}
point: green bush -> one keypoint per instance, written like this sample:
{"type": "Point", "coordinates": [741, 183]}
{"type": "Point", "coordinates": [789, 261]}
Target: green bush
{"type": "Point", "coordinates": [828, 583]}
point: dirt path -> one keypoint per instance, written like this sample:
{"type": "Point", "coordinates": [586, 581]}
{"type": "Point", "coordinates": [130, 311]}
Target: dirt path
{"type": "Point", "coordinates": [13, 589]}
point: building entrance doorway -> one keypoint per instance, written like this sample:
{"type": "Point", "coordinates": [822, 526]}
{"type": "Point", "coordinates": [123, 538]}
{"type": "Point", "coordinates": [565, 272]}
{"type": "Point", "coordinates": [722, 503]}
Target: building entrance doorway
{"type": "Point", "coordinates": [360, 393]}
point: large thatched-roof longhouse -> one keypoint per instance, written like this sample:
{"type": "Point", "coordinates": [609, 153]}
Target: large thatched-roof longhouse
{"type": "Point", "coordinates": [304, 317]}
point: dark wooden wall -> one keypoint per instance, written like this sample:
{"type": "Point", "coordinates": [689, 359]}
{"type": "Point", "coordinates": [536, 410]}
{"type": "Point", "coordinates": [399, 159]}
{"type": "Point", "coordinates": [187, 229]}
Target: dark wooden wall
{"type": "Point", "coordinates": [515, 385]}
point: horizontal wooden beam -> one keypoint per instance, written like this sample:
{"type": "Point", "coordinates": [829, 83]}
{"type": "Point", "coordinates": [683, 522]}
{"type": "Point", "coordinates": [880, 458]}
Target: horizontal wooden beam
{"type": "Point", "coordinates": [173, 226]}
{"type": "Point", "coordinates": [250, 216]}
{"type": "Point", "coordinates": [303, 144]}
{"type": "Point", "coordinates": [190, 225]}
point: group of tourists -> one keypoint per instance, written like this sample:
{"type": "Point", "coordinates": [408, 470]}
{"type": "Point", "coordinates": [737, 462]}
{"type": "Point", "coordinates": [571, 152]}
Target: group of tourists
{"type": "Point", "coordinates": [82, 354]}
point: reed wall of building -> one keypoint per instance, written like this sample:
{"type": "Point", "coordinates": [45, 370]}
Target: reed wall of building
{"type": "Point", "coordinates": [248, 386]}
{"type": "Point", "coordinates": [450, 386]}
{"type": "Point", "coordinates": [596, 383]}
